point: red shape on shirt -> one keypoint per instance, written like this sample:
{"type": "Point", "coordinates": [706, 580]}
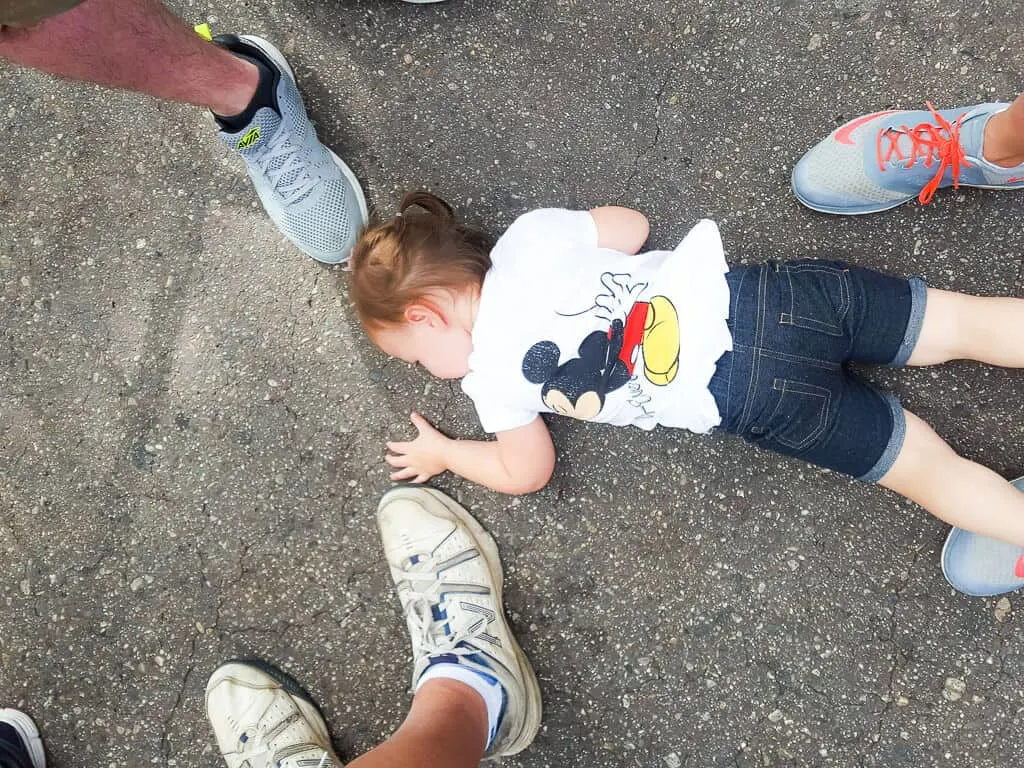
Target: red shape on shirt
{"type": "Point", "coordinates": [633, 333]}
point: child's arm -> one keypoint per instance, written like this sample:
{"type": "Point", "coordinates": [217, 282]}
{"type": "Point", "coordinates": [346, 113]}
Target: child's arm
{"type": "Point", "coordinates": [519, 461]}
{"type": "Point", "coordinates": [621, 229]}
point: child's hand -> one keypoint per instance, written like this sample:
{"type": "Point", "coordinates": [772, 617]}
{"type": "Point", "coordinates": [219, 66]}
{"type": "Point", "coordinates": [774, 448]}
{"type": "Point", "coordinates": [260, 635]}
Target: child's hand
{"type": "Point", "coordinates": [422, 458]}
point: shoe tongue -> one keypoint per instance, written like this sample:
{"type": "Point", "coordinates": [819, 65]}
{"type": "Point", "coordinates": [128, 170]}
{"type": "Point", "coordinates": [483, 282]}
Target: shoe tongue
{"type": "Point", "coordinates": [972, 132]}
{"type": "Point", "coordinates": [252, 140]}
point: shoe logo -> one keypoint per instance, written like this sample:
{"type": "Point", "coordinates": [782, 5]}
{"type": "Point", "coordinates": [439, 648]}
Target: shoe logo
{"type": "Point", "coordinates": [1018, 570]}
{"type": "Point", "coordinates": [249, 139]}
{"type": "Point", "coordinates": [843, 135]}
{"type": "Point", "coordinates": [1014, 179]}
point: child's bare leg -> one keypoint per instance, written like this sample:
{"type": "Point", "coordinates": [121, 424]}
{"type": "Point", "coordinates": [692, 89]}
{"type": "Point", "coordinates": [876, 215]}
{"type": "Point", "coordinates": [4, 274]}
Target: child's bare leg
{"type": "Point", "coordinates": [954, 489]}
{"type": "Point", "coordinates": [961, 327]}
{"type": "Point", "coordinates": [447, 726]}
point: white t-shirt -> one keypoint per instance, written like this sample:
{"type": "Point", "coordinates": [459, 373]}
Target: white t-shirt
{"type": "Point", "coordinates": [564, 326]}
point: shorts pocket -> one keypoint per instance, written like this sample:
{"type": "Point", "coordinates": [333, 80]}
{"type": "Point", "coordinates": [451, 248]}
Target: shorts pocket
{"type": "Point", "coordinates": [799, 418]}
{"type": "Point", "coordinates": [815, 296]}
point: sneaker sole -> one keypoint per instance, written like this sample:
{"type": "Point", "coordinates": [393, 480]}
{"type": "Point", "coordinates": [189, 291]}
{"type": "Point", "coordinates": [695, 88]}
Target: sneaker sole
{"type": "Point", "coordinates": [888, 206]}
{"type": "Point", "coordinates": [485, 542]}
{"type": "Point", "coordinates": [282, 63]}
{"type": "Point", "coordinates": [29, 734]}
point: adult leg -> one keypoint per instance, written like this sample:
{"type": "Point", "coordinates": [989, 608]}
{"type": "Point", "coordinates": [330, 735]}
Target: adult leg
{"type": "Point", "coordinates": [960, 492]}
{"type": "Point", "coordinates": [307, 190]}
{"type": "Point", "coordinates": [1004, 136]}
{"type": "Point", "coordinates": [447, 726]}
{"type": "Point", "coordinates": [136, 45]}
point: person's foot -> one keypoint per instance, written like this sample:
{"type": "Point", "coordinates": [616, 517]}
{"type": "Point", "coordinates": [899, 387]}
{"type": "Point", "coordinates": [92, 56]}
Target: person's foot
{"type": "Point", "coordinates": [262, 718]}
{"type": "Point", "coordinates": [882, 160]}
{"type": "Point", "coordinates": [449, 579]}
{"type": "Point", "coordinates": [20, 744]}
{"type": "Point", "coordinates": [981, 566]}
{"type": "Point", "coordinates": [306, 189]}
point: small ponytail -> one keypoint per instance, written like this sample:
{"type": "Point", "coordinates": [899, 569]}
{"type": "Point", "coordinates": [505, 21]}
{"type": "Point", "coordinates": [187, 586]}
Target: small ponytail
{"type": "Point", "coordinates": [432, 204]}
{"type": "Point", "coordinates": [423, 249]}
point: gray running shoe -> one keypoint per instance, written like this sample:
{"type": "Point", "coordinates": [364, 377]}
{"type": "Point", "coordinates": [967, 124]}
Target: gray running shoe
{"type": "Point", "coordinates": [306, 189]}
{"type": "Point", "coordinates": [262, 718]}
{"type": "Point", "coordinates": [448, 576]}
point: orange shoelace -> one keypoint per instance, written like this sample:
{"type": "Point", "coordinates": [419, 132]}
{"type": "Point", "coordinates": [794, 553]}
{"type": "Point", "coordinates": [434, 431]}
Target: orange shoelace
{"type": "Point", "coordinates": [928, 141]}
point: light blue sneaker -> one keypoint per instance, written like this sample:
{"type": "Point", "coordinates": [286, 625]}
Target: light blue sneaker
{"type": "Point", "coordinates": [879, 161]}
{"type": "Point", "coordinates": [306, 189]}
{"type": "Point", "coordinates": [980, 566]}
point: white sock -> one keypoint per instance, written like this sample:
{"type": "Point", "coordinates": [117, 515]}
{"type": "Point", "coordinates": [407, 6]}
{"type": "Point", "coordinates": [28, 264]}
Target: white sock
{"type": "Point", "coordinates": [489, 689]}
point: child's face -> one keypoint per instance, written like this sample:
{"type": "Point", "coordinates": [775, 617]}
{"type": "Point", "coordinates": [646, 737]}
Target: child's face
{"type": "Point", "coordinates": [440, 347]}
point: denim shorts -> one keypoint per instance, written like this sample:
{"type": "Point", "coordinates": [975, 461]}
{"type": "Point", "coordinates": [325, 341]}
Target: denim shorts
{"type": "Point", "coordinates": [786, 385]}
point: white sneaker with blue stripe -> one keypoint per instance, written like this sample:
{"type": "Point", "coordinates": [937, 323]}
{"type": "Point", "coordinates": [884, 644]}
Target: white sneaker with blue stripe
{"type": "Point", "coordinates": [306, 189]}
{"type": "Point", "coordinates": [263, 718]}
{"type": "Point", "coordinates": [448, 576]}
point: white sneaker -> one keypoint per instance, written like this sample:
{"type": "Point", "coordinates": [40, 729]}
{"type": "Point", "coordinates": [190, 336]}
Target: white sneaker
{"type": "Point", "coordinates": [448, 575]}
{"type": "Point", "coordinates": [20, 744]}
{"type": "Point", "coordinates": [262, 718]}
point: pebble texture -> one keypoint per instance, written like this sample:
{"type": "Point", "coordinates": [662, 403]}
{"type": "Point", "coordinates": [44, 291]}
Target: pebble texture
{"type": "Point", "coordinates": [192, 428]}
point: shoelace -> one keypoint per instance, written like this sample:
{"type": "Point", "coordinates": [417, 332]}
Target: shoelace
{"type": "Point", "coordinates": [280, 146]}
{"type": "Point", "coordinates": [426, 639]}
{"type": "Point", "coordinates": [927, 141]}
{"type": "Point", "coordinates": [255, 747]}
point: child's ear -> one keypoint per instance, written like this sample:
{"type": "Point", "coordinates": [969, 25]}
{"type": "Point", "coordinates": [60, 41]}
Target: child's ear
{"type": "Point", "coordinates": [420, 314]}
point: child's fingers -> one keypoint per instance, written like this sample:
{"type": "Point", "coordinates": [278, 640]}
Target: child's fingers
{"type": "Point", "coordinates": [405, 474]}
{"type": "Point", "coordinates": [397, 461]}
{"type": "Point", "coordinates": [399, 447]}
{"type": "Point", "coordinates": [420, 423]}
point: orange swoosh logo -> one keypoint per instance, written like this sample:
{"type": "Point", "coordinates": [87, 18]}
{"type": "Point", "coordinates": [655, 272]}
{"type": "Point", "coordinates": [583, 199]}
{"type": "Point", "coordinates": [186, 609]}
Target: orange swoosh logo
{"type": "Point", "coordinates": [843, 134]}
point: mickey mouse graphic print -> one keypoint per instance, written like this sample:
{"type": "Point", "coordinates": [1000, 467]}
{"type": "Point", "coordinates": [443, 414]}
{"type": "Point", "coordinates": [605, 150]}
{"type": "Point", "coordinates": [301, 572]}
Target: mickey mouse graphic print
{"type": "Point", "coordinates": [566, 327]}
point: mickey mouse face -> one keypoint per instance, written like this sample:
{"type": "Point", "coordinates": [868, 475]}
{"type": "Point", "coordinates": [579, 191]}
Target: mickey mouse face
{"type": "Point", "coordinates": [578, 386]}
{"type": "Point", "coordinates": [586, 407]}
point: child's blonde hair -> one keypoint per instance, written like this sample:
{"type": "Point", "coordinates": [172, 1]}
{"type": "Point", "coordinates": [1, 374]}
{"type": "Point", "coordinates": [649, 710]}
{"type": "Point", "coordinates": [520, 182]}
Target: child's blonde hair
{"type": "Point", "coordinates": [401, 261]}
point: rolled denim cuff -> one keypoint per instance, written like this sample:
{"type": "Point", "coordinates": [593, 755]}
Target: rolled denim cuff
{"type": "Point", "coordinates": [918, 302]}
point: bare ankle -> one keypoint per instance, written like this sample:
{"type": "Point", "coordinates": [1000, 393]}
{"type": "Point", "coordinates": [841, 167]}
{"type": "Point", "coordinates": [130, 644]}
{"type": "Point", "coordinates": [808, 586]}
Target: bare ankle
{"type": "Point", "coordinates": [235, 98]}
{"type": "Point", "coordinates": [1003, 142]}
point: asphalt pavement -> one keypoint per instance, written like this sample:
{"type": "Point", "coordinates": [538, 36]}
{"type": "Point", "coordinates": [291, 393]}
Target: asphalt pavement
{"type": "Point", "coordinates": [192, 427]}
